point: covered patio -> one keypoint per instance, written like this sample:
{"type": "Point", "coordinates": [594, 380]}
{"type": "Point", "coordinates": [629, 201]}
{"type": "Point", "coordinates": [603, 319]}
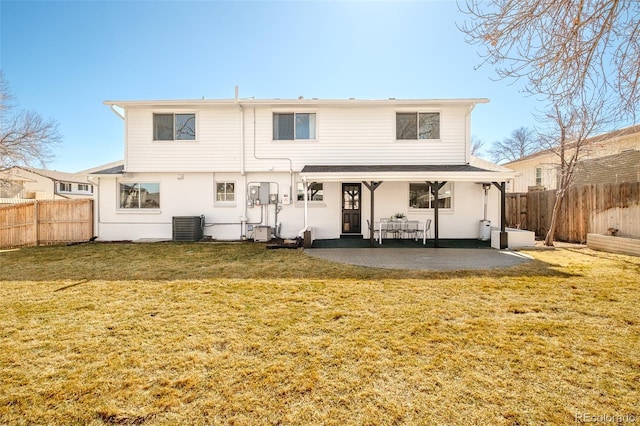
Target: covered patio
{"type": "Point", "coordinates": [372, 177]}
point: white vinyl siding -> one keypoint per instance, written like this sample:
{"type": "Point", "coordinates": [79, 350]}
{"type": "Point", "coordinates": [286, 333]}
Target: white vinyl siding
{"type": "Point", "coordinates": [217, 146]}
{"type": "Point", "coordinates": [357, 135]}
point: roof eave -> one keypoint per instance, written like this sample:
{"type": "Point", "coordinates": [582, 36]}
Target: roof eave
{"type": "Point", "coordinates": [487, 176]}
{"type": "Point", "coordinates": [467, 102]}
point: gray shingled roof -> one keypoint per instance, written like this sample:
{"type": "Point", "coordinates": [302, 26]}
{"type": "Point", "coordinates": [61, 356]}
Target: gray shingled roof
{"type": "Point", "coordinates": [617, 168]}
{"type": "Point", "coordinates": [115, 170]}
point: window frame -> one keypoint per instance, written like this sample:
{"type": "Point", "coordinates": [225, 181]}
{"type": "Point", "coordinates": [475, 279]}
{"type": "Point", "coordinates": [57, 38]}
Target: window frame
{"type": "Point", "coordinates": [310, 200]}
{"type": "Point", "coordinates": [65, 187]}
{"type": "Point", "coordinates": [175, 138]}
{"type": "Point", "coordinates": [225, 202]}
{"type": "Point", "coordinates": [295, 135]}
{"type": "Point", "coordinates": [417, 129]}
{"type": "Point", "coordinates": [431, 204]}
{"type": "Point", "coordinates": [120, 207]}
{"type": "Point", "coordinates": [538, 176]}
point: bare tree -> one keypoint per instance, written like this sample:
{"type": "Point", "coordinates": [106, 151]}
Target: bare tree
{"type": "Point", "coordinates": [562, 48]}
{"type": "Point", "coordinates": [520, 143]}
{"type": "Point", "coordinates": [477, 146]}
{"type": "Point", "coordinates": [569, 139]}
{"type": "Point", "coordinates": [25, 137]}
{"type": "Point", "coordinates": [582, 57]}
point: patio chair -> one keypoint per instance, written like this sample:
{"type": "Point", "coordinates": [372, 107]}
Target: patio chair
{"type": "Point", "coordinates": [387, 227]}
{"type": "Point", "coordinates": [410, 229]}
{"type": "Point", "coordinates": [424, 232]}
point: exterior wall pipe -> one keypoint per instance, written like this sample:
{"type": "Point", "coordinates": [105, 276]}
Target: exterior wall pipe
{"type": "Point", "coordinates": [243, 218]}
{"type": "Point", "coordinates": [467, 134]}
{"type": "Point", "coordinates": [255, 155]}
{"type": "Point", "coordinates": [306, 204]}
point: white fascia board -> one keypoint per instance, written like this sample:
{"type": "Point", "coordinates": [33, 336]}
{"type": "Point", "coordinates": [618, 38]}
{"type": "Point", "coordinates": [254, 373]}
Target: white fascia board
{"type": "Point", "coordinates": [465, 102]}
{"type": "Point", "coordinates": [412, 177]}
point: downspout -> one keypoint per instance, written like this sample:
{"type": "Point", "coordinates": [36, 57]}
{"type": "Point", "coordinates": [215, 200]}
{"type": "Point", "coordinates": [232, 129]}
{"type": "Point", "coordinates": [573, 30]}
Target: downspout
{"type": "Point", "coordinates": [96, 205]}
{"type": "Point", "coordinates": [467, 134]}
{"type": "Point", "coordinates": [306, 204]}
{"type": "Point", "coordinates": [126, 134]}
{"type": "Point", "coordinates": [243, 219]}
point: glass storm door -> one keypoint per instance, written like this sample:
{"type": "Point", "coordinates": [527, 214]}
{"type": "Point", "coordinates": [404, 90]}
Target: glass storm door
{"type": "Point", "coordinates": [351, 208]}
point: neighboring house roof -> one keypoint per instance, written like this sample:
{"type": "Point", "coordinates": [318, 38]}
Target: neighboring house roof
{"type": "Point", "coordinates": [53, 174]}
{"type": "Point", "coordinates": [6, 176]}
{"type": "Point", "coordinates": [604, 138]}
{"type": "Point", "coordinates": [623, 167]}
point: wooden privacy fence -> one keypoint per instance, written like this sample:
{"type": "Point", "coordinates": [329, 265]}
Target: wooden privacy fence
{"type": "Point", "coordinates": [46, 222]}
{"type": "Point", "coordinates": [586, 209]}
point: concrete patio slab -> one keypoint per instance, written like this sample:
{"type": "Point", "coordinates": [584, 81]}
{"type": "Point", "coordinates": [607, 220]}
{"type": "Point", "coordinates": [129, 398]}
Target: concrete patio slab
{"type": "Point", "coordinates": [441, 259]}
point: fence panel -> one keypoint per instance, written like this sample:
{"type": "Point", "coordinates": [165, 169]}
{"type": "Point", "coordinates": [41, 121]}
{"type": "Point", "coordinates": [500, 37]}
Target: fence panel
{"type": "Point", "coordinates": [46, 222]}
{"type": "Point", "coordinates": [18, 225]}
{"type": "Point", "coordinates": [595, 209]}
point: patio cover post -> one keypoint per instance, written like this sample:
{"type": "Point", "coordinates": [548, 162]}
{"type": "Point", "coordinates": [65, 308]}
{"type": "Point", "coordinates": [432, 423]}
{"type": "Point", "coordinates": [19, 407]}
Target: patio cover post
{"type": "Point", "coordinates": [504, 237]}
{"type": "Point", "coordinates": [435, 189]}
{"type": "Point", "coordinates": [372, 187]}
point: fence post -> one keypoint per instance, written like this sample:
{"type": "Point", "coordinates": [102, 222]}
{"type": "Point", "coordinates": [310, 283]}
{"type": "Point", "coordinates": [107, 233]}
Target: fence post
{"type": "Point", "coordinates": [36, 222]}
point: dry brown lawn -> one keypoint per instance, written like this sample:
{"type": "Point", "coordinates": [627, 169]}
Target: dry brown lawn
{"type": "Point", "coordinates": [164, 334]}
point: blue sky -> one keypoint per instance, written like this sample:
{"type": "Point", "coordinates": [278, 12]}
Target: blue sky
{"type": "Point", "coordinates": [64, 58]}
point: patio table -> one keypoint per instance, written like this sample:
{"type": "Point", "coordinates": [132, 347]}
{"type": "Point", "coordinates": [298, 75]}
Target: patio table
{"type": "Point", "coordinates": [398, 228]}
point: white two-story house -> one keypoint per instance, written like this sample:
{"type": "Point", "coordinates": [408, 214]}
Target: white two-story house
{"type": "Point", "coordinates": [328, 166]}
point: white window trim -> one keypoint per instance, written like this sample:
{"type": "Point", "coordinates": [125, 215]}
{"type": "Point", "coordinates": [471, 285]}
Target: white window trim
{"type": "Point", "coordinates": [217, 203]}
{"type": "Point", "coordinates": [311, 203]}
{"type": "Point", "coordinates": [432, 209]}
{"type": "Point", "coordinates": [66, 191]}
{"type": "Point", "coordinates": [294, 112]}
{"type": "Point", "coordinates": [180, 141]}
{"type": "Point", "coordinates": [406, 111]}
{"type": "Point", "coordinates": [138, 210]}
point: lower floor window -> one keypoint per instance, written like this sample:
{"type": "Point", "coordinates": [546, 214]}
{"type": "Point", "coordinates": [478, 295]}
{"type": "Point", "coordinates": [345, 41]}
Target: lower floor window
{"type": "Point", "coordinates": [421, 197]}
{"type": "Point", "coordinates": [315, 192]}
{"type": "Point", "coordinates": [139, 195]}
{"type": "Point", "coordinates": [225, 191]}
{"type": "Point", "coordinates": [65, 187]}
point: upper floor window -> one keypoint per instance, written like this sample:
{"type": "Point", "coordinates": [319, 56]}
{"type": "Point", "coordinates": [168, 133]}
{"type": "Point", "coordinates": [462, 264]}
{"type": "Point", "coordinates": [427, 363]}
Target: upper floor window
{"type": "Point", "coordinates": [64, 187]}
{"type": "Point", "coordinates": [293, 126]}
{"type": "Point", "coordinates": [139, 195]}
{"type": "Point", "coordinates": [174, 127]}
{"type": "Point", "coordinates": [420, 196]}
{"type": "Point", "coordinates": [417, 125]}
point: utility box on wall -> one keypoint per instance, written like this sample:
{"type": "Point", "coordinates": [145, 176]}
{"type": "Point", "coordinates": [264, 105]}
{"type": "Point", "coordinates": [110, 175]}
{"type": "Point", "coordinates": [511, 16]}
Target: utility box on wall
{"type": "Point", "coordinates": [264, 193]}
{"type": "Point", "coordinates": [262, 233]}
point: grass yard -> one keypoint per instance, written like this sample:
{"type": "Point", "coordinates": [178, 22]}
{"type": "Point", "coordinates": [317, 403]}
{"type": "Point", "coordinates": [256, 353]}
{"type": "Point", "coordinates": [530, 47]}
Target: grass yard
{"type": "Point", "coordinates": [165, 334]}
